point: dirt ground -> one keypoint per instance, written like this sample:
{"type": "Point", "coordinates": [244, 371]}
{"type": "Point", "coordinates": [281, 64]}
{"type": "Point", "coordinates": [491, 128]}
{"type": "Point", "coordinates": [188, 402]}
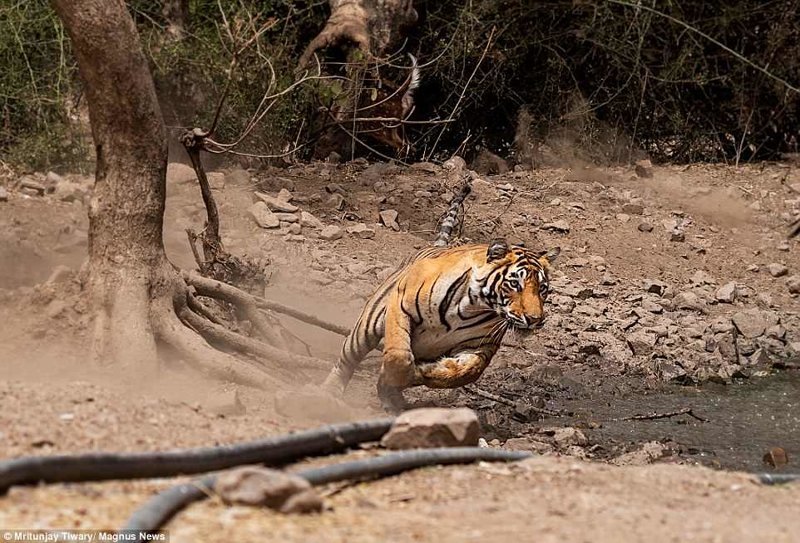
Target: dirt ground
{"type": "Point", "coordinates": [640, 322]}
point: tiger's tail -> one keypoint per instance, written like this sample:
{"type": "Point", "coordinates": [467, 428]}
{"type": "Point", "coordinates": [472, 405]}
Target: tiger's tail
{"type": "Point", "coordinates": [453, 218]}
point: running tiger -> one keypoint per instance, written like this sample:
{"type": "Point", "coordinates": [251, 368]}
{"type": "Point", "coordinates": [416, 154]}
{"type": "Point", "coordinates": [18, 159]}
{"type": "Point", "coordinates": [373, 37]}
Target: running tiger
{"type": "Point", "coordinates": [442, 315]}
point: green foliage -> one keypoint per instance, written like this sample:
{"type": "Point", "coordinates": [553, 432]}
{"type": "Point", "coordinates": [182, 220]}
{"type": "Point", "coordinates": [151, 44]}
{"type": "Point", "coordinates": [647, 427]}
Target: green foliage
{"type": "Point", "coordinates": [36, 86]}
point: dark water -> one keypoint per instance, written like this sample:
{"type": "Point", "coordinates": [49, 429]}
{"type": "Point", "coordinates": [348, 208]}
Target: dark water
{"type": "Point", "coordinates": [745, 420]}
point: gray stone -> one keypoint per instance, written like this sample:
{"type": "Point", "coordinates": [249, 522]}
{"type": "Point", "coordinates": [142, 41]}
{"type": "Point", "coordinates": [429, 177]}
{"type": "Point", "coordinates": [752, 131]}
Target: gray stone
{"type": "Point", "coordinates": [287, 217]}
{"type": "Point", "coordinates": [633, 209]}
{"type": "Point", "coordinates": [641, 343]}
{"type": "Point", "coordinates": [361, 231]}
{"type": "Point", "coordinates": [646, 454]}
{"type": "Point", "coordinates": [259, 487]}
{"type": "Point", "coordinates": [652, 307]}
{"type": "Point", "coordinates": [656, 287]}
{"type": "Point", "coordinates": [3, 194]}
{"type": "Point", "coordinates": [777, 270]}
{"type": "Point", "coordinates": [433, 427]}
{"type": "Point", "coordinates": [295, 228]}
{"type": "Point", "coordinates": [726, 294]}
{"type": "Point", "coordinates": [276, 204]}
{"type": "Point", "coordinates": [751, 323]}
{"type": "Point", "coordinates": [689, 300]}
{"type": "Point", "coordinates": [284, 196]}
{"type": "Point", "coordinates": [331, 233]}
{"type": "Point", "coordinates": [556, 226]}
{"type": "Point", "coordinates": [309, 220]}
{"type": "Point", "coordinates": [565, 437]}
{"type": "Point", "coordinates": [677, 235]}
{"type": "Point", "coordinates": [177, 172]}
{"type": "Point", "coordinates": [701, 278]}
{"type": "Point", "coordinates": [793, 284]}
{"type": "Point", "coordinates": [645, 227]}
{"type": "Point", "coordinates": [644, 168]}
{"type": "Point", "coordinates": [389, 219]}
{"type": "Point", "coordinates": [263, 216]}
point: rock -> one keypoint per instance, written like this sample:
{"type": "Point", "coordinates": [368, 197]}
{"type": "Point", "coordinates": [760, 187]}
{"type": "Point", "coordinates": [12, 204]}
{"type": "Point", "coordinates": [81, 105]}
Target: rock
{"type": "Point", "coordinates": [689, 300]}
{"type": "Point", "coordinates": [647, 454]}
{"type": "Point", "coordinates": [284, 196]}
{"type": "Point", "coordinates": [309, 220]}
{"type": "Point", "coordinates": [389, 219]}
{"type": "Point", "coordinates": [577, 262]}
{"type": "Point", "coordinates": [55, 309]}
{"type": "Point", "coordinates": [3, 194]}
{"type": "Point", "coordinates": [751, 323]}
{"type": "Point", "coordinates": [655, 287]}
{"type": "Point", "coordinates": [295, 238]}
{"type": "Point", "coordinates": [295, 228]}
{"type": "Point", "coordinates": [527, 444]}
{"type": "Point", "coordinates": [776, 331]}
{"type": "Point", "coordinates": [565, 437]}
{"type": "Point", "coordinates": [652, 307]}
{"type": "Point", "coordinates": [623, 217]}
{"type": "Point", "coordinates": [331, 233]}
{"type": "Point", "coordinates": [645, 227]}
{"type": "Point", "coordinates": [276, 204]}
{"type": "Point", "coordinates": [677, 235]}
{"type": "Point", "coordinates": [361, 231]}
{"type": "Point", "coordinates": [793, 284]}
{"type": "Point", "coordinates": [263, 216]}
{"type": "Point", "coordinates": [641, 343]}
{"type": "Point", "coordinates": [455, 164]}
{"type": "Point", "coordinates": [303, 503]}
{"type": "Point", "coordinates": [726, 294]}
{"type": "Point", "coordinates": [557, 226]}
{"type": "Point", "coordinates": [753, 268]}
{"type": "Point", "coordinates": [776, 457]}
{"type": "Point", "coordinates": [287, 217]}
{"type": "Point", "coordinates": [259, 486]}
{"type": "Point", "coordinates": [633, 209]}
{"type": "Point", "coordinates": [777, 270]}
{"type": "Point", "coordinates": [30, 186]}
{"type": "Point", "coordinates": [70, 191]}
{"type": "Point", "coordinates": [701, 278]}
{"type": "Point", "coordinates": [644, 168]}
{"type": "Point", "coordinates": [433, 427]}
{"type": "Point", "coordinates": [427, 167]}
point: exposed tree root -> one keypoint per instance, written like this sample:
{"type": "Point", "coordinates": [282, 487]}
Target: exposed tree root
{"type": "Point", "coordinates": [196, 352]}
{"type": "Point", "coordinates": [251, 304]}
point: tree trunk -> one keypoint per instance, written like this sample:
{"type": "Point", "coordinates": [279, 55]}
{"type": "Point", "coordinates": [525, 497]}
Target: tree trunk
{"type": "Point", "coordinates": [139, 299]}
{"type": "Point", "coordinates": [126, 252]}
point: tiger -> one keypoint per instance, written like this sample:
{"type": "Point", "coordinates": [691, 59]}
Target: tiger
{"type": "Point", "coordinates": [442, 316]}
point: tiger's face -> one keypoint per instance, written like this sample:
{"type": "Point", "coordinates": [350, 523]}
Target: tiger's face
{"type": "Point", "coordinates": [517, 288]}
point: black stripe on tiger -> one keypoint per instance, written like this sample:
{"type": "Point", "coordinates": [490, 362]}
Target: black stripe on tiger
{"type": "Point", "coordinates": [444, 305]}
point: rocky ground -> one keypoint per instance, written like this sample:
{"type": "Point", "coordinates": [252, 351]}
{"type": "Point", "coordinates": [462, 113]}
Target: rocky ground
{"type": "Point", "coordinates": [675, 289]}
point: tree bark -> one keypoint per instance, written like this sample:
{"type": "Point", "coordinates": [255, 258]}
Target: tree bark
{"type": "Point", "coordinates": [126, 252]}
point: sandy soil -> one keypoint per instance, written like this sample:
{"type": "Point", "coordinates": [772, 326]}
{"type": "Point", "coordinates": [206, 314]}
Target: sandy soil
{"type": "Point", "coordinates": [52, 400]}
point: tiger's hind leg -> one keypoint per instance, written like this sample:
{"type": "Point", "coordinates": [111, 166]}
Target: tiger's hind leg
{"type": "Point", "coordinates": [457, 369]}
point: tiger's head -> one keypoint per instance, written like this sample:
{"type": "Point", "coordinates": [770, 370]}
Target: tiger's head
{"type": "Point", "coordinates": [518, 284]}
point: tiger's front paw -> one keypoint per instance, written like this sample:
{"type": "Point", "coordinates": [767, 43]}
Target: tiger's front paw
{"type": "Point", "coordinates": [398, 368]}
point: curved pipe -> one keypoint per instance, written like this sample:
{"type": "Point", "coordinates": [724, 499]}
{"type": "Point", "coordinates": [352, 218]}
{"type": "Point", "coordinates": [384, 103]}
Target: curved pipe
{"type": "Point", "coordinates": [105, 466]}
{"type": "Point", "coordinates": [161, 508]}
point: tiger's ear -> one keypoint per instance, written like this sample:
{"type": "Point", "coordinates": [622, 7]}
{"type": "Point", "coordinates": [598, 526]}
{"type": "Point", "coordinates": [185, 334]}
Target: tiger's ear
{"type": "Point", "coordinates": [548, 257]}
{"type": "Point", "coordinates": [498, 248]}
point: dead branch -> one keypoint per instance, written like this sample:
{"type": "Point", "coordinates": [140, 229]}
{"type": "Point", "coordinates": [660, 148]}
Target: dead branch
{"type": "Point", "coordinates": [670, 414]}
{"type": "Point", "coordinates": [505, 401]}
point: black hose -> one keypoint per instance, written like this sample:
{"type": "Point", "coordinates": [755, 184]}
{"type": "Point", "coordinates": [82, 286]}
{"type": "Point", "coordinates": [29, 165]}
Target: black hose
{"type": "Point", "coordinates": [777, 478]}
{"type": "Point", "coordinates": [161, 508]}
{"type": "Point", "coordinates": [105, 466]}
